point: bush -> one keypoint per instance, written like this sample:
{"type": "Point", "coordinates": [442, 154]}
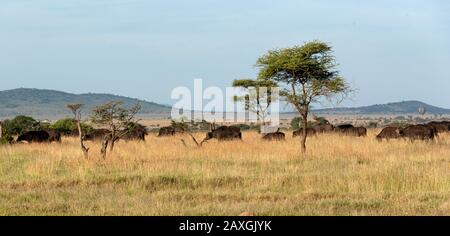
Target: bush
{"type": "Point", "coordinates": [400, 124]}
{"type": "Point", "coordinates": [6, 139]}
{"type": "Point", "coordinates": [297, 123]}
{"type": "Point", "coordinates": [68, 125]}
{"type": "Point", "coordinates": [64, 126]}
{"type": "Point", "coordinates": [20, 125]}
{"type": "Point", "coordinates": [320, 120]}
{"type": "Point", "coordinates": [242, 126]}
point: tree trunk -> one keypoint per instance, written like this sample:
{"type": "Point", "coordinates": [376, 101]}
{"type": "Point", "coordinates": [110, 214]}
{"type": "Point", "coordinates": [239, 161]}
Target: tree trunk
{"type": "Point", "coordinates": [104, 146]}
{"type": "Point", "coordinates": [80, 135]}
{"type": "Point", "coordinates": [113, 139]}
{"type": "Point", "coordinates": [304, 134]}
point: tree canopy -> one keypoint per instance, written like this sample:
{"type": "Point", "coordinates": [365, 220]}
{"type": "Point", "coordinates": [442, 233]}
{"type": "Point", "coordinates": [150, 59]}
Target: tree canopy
{"type": "Point", "coordinates": [304, 74]}
{"type": "Point", "coordinates": [258, 96]}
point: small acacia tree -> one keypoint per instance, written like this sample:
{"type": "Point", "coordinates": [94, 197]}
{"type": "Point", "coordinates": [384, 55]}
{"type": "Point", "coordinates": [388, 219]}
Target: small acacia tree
{"type": "Point", "coordinates": [116, 119]}
{"type": "Point", "coordinates": [305, 74]}
{"type": "Point", "coordinates": [76, 110]}
{"type": "Point", "coordinates": [258, 98]}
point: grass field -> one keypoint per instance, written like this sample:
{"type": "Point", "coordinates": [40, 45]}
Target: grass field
{"type": "Point", "coordinates": [337, 176]}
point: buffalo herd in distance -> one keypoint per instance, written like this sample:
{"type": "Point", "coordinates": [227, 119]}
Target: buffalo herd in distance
{"type": "Point", "coordinates": [425, 132]}
{"type": "Point", "coordinates": [138, 132]}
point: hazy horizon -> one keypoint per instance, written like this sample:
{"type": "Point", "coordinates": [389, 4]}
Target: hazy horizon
{"type": "Point", "coordinates": [388, 51]}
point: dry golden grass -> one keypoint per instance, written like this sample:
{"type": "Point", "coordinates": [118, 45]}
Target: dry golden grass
{"type": "Point", "coordinates": [337, 176]}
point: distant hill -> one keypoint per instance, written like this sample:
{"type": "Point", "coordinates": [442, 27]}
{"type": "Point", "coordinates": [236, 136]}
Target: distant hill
{"type": "Point", "coordinates": [50, 104]}
{"type": "Point", "coordinates": [405, 107]}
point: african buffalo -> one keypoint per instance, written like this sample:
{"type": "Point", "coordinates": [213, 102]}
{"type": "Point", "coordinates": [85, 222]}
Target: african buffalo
{"type": "Point", "coordinates": [96, 134]}
{"type": "Point", "coordinates": [447, 123]}
{"type": "Point", "coordinates": [54, 135]}
{"type": "Point", "coordinates": [349, 129]}
{"type": "Point", "coordinates": [299, 132]}
{"type": "Point", "coordinates": [440, 126]}
{"type": "Point", "coordinates": [421, 132]}
{"type": "Point", "coordinates": [167, 131]}
{"type": "Point", "coordinates": [389, 133]}
{"type": "Point", "coordinates": [34, 137]}
{"type": "Point", "coordinates": [137, 132]}
{"type": "Point", "coordinates": [344, 127]}
{"type": "Point", "coordinates": [277, 136]}
{"type": "Point", "coordinates": [224, 133]}
{"type": "Point", "coordinates": [323, 128]}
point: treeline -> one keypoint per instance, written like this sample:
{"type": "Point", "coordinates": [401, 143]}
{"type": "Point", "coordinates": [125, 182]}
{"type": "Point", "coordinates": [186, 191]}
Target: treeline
{"type": "Point", "coordinates": [22, 124]}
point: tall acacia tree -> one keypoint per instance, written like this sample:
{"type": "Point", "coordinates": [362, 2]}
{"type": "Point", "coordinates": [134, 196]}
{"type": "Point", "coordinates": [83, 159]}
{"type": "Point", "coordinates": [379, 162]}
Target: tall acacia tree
{"type": "Point", "coordinates": [256, 100]}
{"type": "Point", "coordinates": [305, 74]}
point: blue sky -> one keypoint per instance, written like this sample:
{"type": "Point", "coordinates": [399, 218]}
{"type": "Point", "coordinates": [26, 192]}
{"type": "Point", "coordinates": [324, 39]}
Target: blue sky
{"type": "Point", "coordinates": [387, 50]}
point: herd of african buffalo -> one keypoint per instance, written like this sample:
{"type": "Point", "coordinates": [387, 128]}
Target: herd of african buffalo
{"type": "Point", "coordinates": [412, 132]}
{"type": "Point", "coordinates": [415, 132]}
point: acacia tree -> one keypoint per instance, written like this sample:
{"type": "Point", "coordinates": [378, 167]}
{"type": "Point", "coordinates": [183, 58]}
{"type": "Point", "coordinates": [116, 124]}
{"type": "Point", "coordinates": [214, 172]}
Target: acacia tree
{"type": "Point", "coordinates": [116, 119]}
{"type": "Point", "coordinates": [305, 74]}
{"type": "Point", "coordinates": [258, 98]}
{"type": "Point", "coordinates": [76, 110]}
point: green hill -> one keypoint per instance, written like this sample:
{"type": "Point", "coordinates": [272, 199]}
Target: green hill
{"type": "Point", "coordinates": [405, 107]}
{"type": "Point", "coordinates": [50, 104]}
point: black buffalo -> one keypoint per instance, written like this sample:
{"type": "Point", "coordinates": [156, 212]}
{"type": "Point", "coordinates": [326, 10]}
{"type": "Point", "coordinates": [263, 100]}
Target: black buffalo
{"type": "Point", "coordinates": [96, 134]}
{"type": "Point", "coordinates": [441, 127]}
{"type": "Point", "coordinates": [419, 132]}
{"type": "Point", "coordinates": [34, 137]}
{"type": "Point", "coordinates": [350, 130]}
{"type": "Point", "coordinates": [447, 123]}
{"type": "Point", "coordinates": [344, 127]}
{"type": "Point", "coordinates": [167, 131]}
{"type": "Point", "coordinates": [277, 136]}
{"type": "Point", "coordinates": [299, 132]}
{"type": "Point", "coordinates": [136, 132]}
{"type": "Point", "coordinates": [389, 133]}
{"type": "Point", "coordinates": [54, 135]}
{"type": "Point", "coordinates": [323, 128]}
{"type": "Point", "coordinates": [224, 133]}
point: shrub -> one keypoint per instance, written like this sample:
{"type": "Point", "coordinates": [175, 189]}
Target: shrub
{"type": "Point", "coordinates": [242, 126]}
{"type": "Point", "coordinates": [297, 123]}
{"type": "Point", "coordinates": [68, 125]}
{"type": "Point", "coordinates": [6, 139]}
{"type": "Point", "coordinates": [20, 125]}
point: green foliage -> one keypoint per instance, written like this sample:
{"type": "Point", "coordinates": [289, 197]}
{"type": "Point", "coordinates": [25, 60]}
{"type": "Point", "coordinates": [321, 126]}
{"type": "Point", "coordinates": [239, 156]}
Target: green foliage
{"type": "Point", "coordinates": [114, 115]}
{"type": "Point", "coordinates": [20, 125]}
{"type": "Point", "coordinates": [68, 125]}
{"type": "Point", "coordinates": [307, 71]}
{"type": "Point", "coordinates": [318, 120]}
{"type": "Point", "coordinates": [304, 74]}
{"type": "Point", "coordinates": [5, 136]}
{"type": "Point", "coordinates": [297, 123]}
{"type": "Point", "coordinates": [401, 124]}
{"type": "Point", "coordinates": [258, 97]}
{"type": "Point", "coordinates": [180, 125]}
{"type": "Point", "coordinates": [200, 126]}
{"type": "Point", "coordinates": [135, 126]}
{"type": "Point", "coordinates": [6, 139]}
{"type": "Point", "coordinates": [243, 126]}
{"type": "Point", "coordinates": [65, 126]}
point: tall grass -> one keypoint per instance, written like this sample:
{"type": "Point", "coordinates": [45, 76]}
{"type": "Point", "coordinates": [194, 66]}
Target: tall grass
{"type": "Point", "coordinates": [338, 176]}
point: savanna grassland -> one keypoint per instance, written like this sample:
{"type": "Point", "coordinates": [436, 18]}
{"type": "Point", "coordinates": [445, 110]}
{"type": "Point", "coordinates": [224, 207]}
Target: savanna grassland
{"type": "Point", "coordinates": [338, 176]}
